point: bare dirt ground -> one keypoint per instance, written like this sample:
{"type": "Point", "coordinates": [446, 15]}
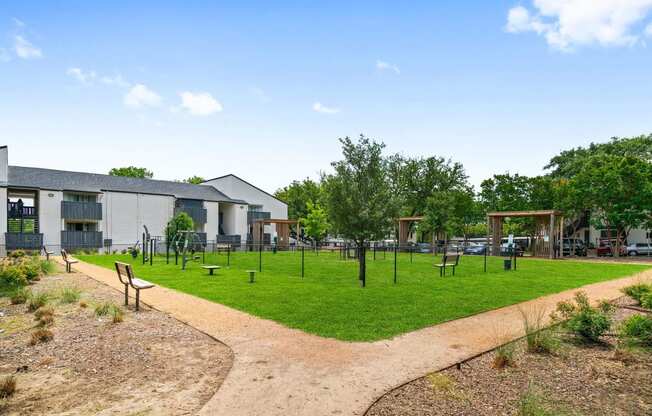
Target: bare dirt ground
{"type": "Point", "coordinates": [149, 364]}
{"type": "Point", "coordinates": [580, 380]}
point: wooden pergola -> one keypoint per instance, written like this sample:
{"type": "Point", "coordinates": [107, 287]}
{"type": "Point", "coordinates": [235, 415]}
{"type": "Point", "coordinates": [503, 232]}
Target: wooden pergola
{"type": "Point", "coordinates": [282, 231]}
{"type": "Point", "coordinates": [404, 228]}
{"type": "Point", "coordinates": [549, 223]}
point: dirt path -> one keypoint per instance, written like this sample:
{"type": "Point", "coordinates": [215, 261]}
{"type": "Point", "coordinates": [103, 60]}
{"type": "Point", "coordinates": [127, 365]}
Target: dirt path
{"type": "Point", "coordinates": [281, 371]}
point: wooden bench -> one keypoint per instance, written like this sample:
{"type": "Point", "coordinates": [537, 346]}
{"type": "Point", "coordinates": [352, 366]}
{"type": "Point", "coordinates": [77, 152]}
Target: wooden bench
{"type": "Point", "coordinates": [252, 275]}
{"type": "Point", "coordinates": [449, 260]}
{"type": "Point", "coordinates": [68, 260]}
{"type": "Point", "coordinates": [47, 253]}
{"type": "Point", "coordinates": [211, 269]}
{"type": "Point", "coordinates": [127, 278]}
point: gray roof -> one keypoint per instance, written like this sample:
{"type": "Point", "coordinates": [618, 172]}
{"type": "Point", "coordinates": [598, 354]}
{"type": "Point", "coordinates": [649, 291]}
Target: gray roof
{"type": "Point", "coordinates": [59, 180]}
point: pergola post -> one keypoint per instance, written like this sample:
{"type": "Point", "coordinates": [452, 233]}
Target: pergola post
{"type": "Point", "coordinates": [551, 236]}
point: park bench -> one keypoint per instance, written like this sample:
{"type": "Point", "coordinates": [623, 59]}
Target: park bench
{"type": "Point", "coordinates": [68, 260]}
{"type": "Point", "coordinates": [46, 252]}
{"type": "Point", "coordinates": [127, 278]}
{"type": "Point", "coordinates": [449, 260]}
{"type": "Point", "coordinates": [210, 269]}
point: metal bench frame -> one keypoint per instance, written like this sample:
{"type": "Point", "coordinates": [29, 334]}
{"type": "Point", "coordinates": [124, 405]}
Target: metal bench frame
{"type": "Point", "coordinates": [449, 260]}
{"type": "Point", "coordinates": [69, 262]}
{"type": "Point", "coordinates": [126, 276]}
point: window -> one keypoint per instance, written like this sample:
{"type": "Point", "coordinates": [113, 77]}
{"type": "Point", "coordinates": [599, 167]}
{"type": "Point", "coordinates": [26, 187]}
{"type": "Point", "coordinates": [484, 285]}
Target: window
{"type": "Point", "coordinates": [79, 197]}
{"type": "Point", "coordinates": [81, 226]}
{"type": "Point", "coordinates": [255, 208]}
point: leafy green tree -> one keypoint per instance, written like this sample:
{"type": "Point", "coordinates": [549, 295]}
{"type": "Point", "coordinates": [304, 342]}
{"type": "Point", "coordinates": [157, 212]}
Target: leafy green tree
{"type": "Point", "coordinates": [195, 180]}
{"type": "Point", "coordinates": [132, 172]}
{"type": "Point", "coordinates": [315, 223]}
{"type": "Point", "coordinates": [180, 222]}
{"type": "Point", "coordinates": [358, 198]}
{"type": "Point", "coordinates": [298, 194]}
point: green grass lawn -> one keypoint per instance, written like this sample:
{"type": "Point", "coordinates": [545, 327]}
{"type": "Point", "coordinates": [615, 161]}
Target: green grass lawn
{"type": "Point", "coordinates": [329, 302]}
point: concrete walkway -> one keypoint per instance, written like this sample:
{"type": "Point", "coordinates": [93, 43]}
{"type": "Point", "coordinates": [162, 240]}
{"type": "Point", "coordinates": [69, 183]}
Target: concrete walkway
{"type": "Point", "coordinates": [282, 371]}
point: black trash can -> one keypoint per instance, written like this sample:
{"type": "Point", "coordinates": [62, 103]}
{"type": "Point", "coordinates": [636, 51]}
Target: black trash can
{"type": "Point", "coordinates": [507, 264]}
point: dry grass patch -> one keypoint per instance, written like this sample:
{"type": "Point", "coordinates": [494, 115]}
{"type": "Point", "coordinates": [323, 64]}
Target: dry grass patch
{"type": "Point", "coordinates": [41, 336]}
{"type": "Point", "coordinates": [7, 386]}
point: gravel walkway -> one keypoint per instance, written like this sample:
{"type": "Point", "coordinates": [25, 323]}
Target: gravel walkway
{"type": "Point", "coordinates": [282, 371]}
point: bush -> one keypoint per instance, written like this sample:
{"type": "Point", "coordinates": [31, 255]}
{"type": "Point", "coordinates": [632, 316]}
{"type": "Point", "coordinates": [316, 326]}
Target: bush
{"type": "Point", "coordinates": [20, 296]}
{"type": "Point", "coordinates": [40, 336]}
{"type": "Point", "coordinates": [504, 356]}
{"type": "Point", "coordinates": [646, 301]}
{"type": "Point", "coordinates": [584, 320]}
{"type": "Point", "coordinates": [7, 386]}
{"type": "Point", "coordinates": [37, 300]}
{"type": "Point", "coordinates": [43, 311]}
{"type": "Point", "coordinates": [69, 295]}
{"type": "Point", "coordinates": [637, 330]}
{"type": "Point", "coordinates": [13, 276]}
{"type": "Point", "coordinates": [47, 266]}
{"type": "Point", "coordinates": [109, 308]}
{"type": "Point", "coordinates": [16, 254]}
{"type": "Point", "coordinates": [637, 291]}
{"type": "Point", "coordinates": [32, 269]}
{"type": "Point", "coordinates": [539, 339]}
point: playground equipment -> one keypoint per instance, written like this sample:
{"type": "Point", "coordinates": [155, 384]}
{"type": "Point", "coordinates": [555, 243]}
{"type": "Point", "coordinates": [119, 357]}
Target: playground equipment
{"type": "Point", "coordinates": [185, 242]}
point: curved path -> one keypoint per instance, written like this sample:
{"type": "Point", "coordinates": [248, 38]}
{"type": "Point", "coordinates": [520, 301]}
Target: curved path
{"type": "Point", "coordinates": [282, 371]}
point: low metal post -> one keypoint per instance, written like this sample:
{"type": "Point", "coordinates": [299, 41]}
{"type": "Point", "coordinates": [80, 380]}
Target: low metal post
{"type": "Point", "coordinates": [302, 261]}
{"type": "Point", "coordinates": [151, 250]}
{"type": "Point", "coordinates": [411, 254]}
{"type": "Point", "coordinates": [144, 249]}
{"type": "Point", "coordinates": [374, 251]}
{"type": "Point", "coordinates": [260, 257]}
{"type": "Point", "coordinates": [395, 258]}
{"type": "Point", "coordinates": [228, 255]}
{"type": "Point", "coordinates": [485, 258]}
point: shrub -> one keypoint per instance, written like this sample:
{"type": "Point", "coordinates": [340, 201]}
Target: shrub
{"type": "Point", "coordinates": [646, 301]}
{"type": "Point", "coordinates": [637, 329]}
{"type": "Point", "coordinates": [584, 320]}
{"type": "Point", "coordinates": [43, 311]}
{"type": "Point", "coordinates": [69, 295]}
{"type": "Point", "coordinates": [32, 269]}
{"type": "Point", "coordinates": [83, 304]}
{"type": "Point", "coordinates": [20, 296]}
{"type": "Point", "coordinates": [16, 254]}
{"type": "Point", "coordinates": [37, 300]}
{"type": "Point", "coordinates": [41, 335]}
{"type": "Point", "coordinates": [47, 266]}
{"type": "Point", "coordinates": [539, 339]}
{"type": "Point", "coordinates": [13, 276]}
{"type": "Point", "coordinates": [504, 356]}
{"type": "Point", "coordinates": [637, 291]}
{"type": "Point", "coordinates": [7, 386]}
{"type": "Point", "coordinates": [109, 308]}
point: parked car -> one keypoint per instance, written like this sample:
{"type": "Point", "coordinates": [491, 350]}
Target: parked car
{"type": "Point", "coordinates": [515, 249]}
{"type": "Point", "coordinates": [606, 248]}
{"type": "Point", "coordinates": [475, 249]}
{"type": "Point", "coordinates": [423, 248]}
{"type": "Point", "coordinates": [639, 249]}
{"type": "Point", "coordinates": [580, 247]}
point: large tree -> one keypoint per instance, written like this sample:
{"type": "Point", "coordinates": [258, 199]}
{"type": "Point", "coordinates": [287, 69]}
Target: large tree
{"type": "Point", "coordinates": [315, 223]}
{"type": "Point", "coordinates": [132, 172]}
{"type": "Point", "coordinates": [357, 195]}
{"type": "Point", "coordinates": [298, 194]}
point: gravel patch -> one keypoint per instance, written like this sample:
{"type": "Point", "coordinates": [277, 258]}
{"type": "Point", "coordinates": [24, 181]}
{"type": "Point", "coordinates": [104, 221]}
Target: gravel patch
{"type": "Point", "coordinates": [148, 364]}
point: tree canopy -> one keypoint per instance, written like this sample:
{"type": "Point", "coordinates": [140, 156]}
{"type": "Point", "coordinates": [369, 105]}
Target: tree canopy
{"type": "Point", "coordinates": [132, 172]}
{"type": "Point", "coordinates": [196, 180]}
{"type": "Point", "coordinates": [298, 194]}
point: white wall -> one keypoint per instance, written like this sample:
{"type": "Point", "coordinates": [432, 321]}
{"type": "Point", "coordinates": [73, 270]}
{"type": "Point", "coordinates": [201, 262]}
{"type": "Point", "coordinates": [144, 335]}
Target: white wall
{"type": "Point", "coordinates": [238, 189]}
{"type": "Point", "coordinates": [211, 227]}
{"type": "Point", "coordinates": [49, 217]}
{"type": "Point", "coordinates": [3, 218]}
{"type": "Point", "coordinates": [125, 214]}
{"type": "Point", "coordinates": [235, 219]}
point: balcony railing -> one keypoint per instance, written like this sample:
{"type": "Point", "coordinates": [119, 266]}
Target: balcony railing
{"type": "Point", "coordinates": [74, 240]}
{"type": "Point", "coordinates": [258, 215]}
{"type": "Point", "coordinates": [23, 241]}
{"type": "Point", "coordinates": [71, 210]}
{"type": "Point", "coordinates": [14, 210]}
{"type": "Point", "coordinates": [198, 214]}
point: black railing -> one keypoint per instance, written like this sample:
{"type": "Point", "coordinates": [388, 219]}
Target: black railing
{"type": "Point", "coordinates": [23, 241]}
{"type": "Point", "coordinates": [258, 215]}
{"type": "Point", "coordinates": [71, 210]}
{"type": "Point", "coordinates": [198, 214]}
{"type": "Point", "coordinates": [14, 210]}
{"type": "Point", "coordinates": [234, 240]}
{"type": "Point", "coordinates": [71, 240]}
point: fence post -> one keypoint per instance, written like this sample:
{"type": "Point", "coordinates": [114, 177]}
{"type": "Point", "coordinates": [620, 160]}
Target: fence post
{"type": "Point", "coordinates": [374, 251]}
{"type": "Point", "coordinates": [260, 257]}
{"type": "Point", "coordinates": [485, 258]}
{"type": "Point", "coordinates": [302, 260]}
{"type": "Point", "coordinates": [395, 258]}
{"type": "Point", "coordinates": [144, 249]}
{"type": "Point", "coordinates": [151, 251]}
{"type": "Point", "coordinates": [362, 258]}
{"type": "Point", "coordinates": [228, 255]}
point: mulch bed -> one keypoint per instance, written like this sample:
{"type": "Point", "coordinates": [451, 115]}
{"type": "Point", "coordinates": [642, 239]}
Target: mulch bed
{"type": "Point", "coordinates": [148, 364]}
{"type": "Point", "coordinates": [580, 380]}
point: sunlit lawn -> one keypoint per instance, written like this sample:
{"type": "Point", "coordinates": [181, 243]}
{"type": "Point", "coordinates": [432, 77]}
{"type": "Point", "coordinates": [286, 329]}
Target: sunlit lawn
{"type": "Point", "coordinates": [328, 300]}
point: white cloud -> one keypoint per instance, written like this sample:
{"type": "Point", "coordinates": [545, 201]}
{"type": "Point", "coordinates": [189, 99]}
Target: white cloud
{"type": "Point", "coordinates": [117, 80]}
{"type": "Point", "coordinates": [140, 97]}
{"type": "Point", "coordinates": [4, 55]}
{"type": "Point", "coordinates": [25, 49]}
{"type": "Point", "coordinates": [648, 30]}
{"type": "Point", "coordinates": [260, 94]}
{"type": "Point", "coordinates": [566, 24]}
{"type": "Point", "coordinates": [85, 77]}
{"type": "Point", "coordinates": [18, 22]}
{"type": "Point", "coordinates": [199, 103]}
{"type": "Point", "coordinates": [386, 66]}
{"type": "Point", "coordinates": [318, 107]}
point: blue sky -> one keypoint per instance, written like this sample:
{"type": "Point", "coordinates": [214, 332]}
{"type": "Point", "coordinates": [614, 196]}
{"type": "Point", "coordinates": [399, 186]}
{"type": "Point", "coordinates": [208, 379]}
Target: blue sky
{"type": "Point", "coordinates": [264, 89]}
